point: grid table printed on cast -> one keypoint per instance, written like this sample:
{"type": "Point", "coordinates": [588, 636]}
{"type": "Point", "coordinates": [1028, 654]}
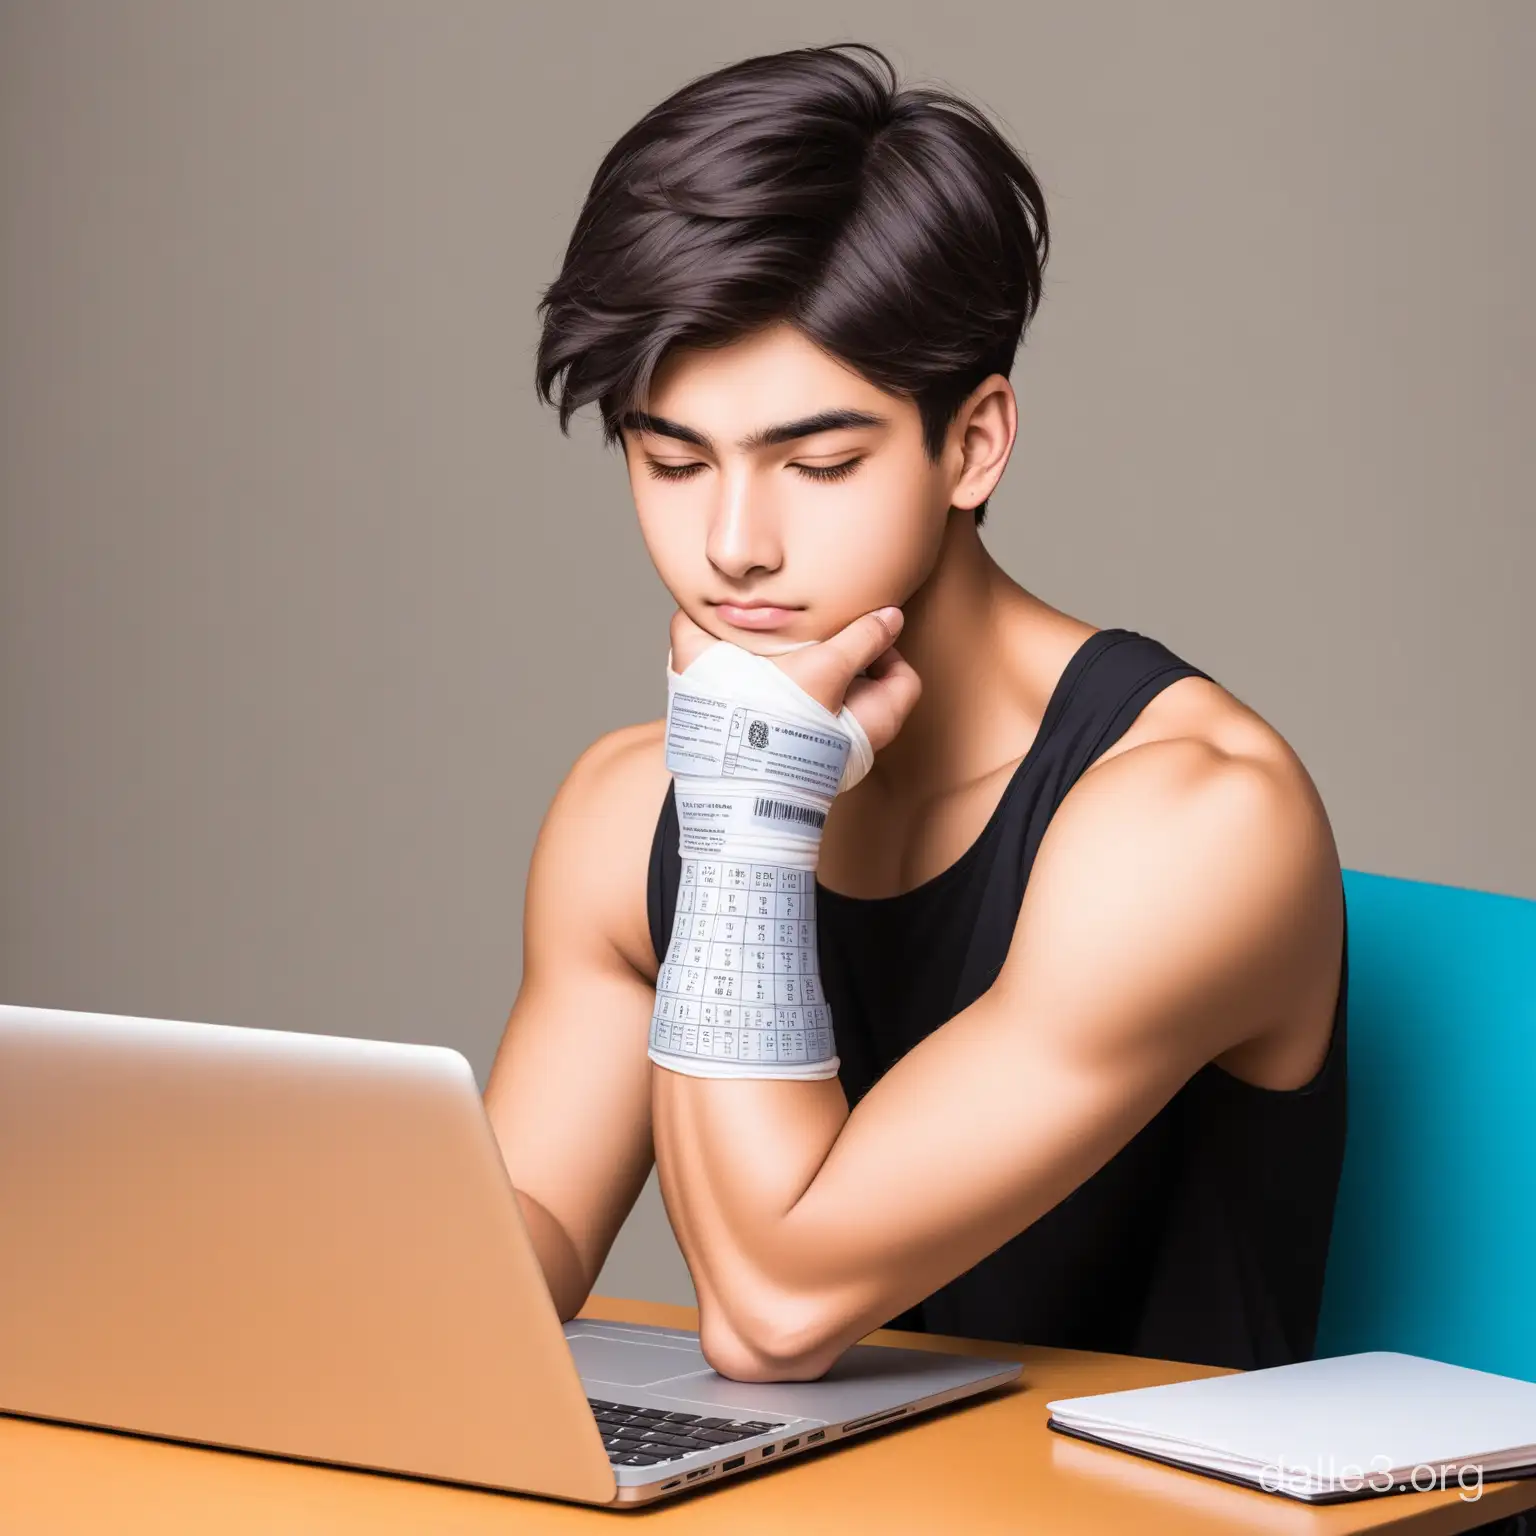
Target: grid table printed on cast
{"type": "Point", "coordinates": [740, 981]}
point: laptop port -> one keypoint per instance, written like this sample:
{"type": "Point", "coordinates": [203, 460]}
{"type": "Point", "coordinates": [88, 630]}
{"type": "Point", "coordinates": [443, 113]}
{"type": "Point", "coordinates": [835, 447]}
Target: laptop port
{"type": "Point", "coordinates": [768, 1451]}
{"type": "Point", "coordinates": [733, 1463]}
{"type": "Point", "coordinates": [820, 1434]}
{"type": "Point", "coordinates": [673, 1484]}
{"type": "Point", "coordinates": [789, 1445]}
{"type": "Point", "coordinates": [872, 1420]}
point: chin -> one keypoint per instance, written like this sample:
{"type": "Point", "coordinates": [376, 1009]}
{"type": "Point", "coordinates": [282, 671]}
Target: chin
{"type": "Point", "coordinates": [763, 642]}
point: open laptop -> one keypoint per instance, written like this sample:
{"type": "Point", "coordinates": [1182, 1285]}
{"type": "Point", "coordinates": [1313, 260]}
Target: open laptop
{"type": "Point", "coordinates": [308, 1246]}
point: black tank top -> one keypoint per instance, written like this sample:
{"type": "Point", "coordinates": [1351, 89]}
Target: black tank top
{"type": "Point", "coordinates": [1204, 1238]}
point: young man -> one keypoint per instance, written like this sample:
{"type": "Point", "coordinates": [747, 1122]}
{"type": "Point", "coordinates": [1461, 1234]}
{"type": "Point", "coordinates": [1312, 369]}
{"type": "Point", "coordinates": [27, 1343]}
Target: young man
{"type": "Point", "coordinates": [1079, 926]}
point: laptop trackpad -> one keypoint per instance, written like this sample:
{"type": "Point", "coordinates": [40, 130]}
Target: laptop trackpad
{"type": "Point", "coordinates": [637, 1360]}
{"type": "Point", "coordinates": [671, 1368]}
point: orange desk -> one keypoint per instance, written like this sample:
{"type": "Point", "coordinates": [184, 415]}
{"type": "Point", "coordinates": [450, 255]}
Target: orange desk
{"type": "Point", "coordinates": [992, 1467]}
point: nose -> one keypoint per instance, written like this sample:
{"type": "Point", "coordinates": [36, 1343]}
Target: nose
{"type": "Point", "coordinates": [743, 531]}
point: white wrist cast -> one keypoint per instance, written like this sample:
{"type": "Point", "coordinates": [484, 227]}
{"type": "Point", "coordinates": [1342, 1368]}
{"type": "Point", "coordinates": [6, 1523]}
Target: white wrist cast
{"type": "Point", "coordinates": [756, 763]}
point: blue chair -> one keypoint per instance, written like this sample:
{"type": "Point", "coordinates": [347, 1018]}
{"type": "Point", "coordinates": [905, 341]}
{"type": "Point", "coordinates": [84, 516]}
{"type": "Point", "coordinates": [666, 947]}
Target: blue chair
{"type": "Point", "coordinates": [1434, 1236]}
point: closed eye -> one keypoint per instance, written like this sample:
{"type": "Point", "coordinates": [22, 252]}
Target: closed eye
{"type": "Point", "coordinates": [659, 471]}
{"type": "Point", "coordinates": [830, 471]}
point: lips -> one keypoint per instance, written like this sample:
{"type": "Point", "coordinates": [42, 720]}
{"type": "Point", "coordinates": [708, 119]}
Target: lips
{"type": "Point", "coordinates": [755, 615]}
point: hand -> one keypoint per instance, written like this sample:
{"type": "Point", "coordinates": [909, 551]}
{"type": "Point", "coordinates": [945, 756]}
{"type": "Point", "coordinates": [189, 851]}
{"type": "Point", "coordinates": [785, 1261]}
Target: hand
{"type": "Point", "coordinates": [829, 671]}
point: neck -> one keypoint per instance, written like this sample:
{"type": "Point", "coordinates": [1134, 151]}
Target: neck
{"type": "Point", "coordinates": [987, 653]}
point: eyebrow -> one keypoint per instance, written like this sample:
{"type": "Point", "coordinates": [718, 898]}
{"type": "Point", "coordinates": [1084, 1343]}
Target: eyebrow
{"type": "Point", "coordinates": [765, 437]}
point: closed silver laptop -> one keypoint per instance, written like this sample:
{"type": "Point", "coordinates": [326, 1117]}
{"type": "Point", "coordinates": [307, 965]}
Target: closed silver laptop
{"type": "Point", "coordinates": [308, 1245]}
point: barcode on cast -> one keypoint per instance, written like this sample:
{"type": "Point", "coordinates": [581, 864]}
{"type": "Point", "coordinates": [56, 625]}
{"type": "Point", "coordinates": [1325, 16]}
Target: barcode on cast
{"type": "Point", "coordinates": [785, 810]}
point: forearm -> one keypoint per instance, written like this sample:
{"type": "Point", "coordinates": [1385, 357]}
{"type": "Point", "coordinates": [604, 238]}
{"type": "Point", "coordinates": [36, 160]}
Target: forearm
{"type": "Point", "coordinates": [736, 1157]}
{"type": "Point", "coordinates": [745, 1099]}
{"type": "Point", "coordinates": [809, 1225]}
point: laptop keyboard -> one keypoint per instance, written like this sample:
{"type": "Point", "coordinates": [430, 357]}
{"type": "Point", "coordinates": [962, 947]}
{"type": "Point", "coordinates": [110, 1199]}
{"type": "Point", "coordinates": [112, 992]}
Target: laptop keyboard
{"type": "Point", "coordinates": [646, 1437]}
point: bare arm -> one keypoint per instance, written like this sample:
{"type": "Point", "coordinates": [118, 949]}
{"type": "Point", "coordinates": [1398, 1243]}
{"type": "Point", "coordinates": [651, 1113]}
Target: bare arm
{"type": "Point", "coordinates": [569, 1092]}
{"type": "Point", "coordinates": [1177, 908]}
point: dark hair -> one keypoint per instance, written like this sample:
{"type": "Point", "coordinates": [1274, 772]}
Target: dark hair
{"type": "Point", "coordinates": [896, 228]}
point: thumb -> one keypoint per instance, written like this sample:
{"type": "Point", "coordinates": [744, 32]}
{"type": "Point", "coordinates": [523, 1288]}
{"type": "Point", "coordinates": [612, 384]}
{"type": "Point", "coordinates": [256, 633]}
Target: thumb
{"type": "Point", "coordinates": [825, 671]}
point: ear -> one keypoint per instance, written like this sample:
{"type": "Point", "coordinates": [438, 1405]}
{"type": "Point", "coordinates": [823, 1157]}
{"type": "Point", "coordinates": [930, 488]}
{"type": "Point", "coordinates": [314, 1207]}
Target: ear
{"type": "Point", "coordinates": [981, 438]}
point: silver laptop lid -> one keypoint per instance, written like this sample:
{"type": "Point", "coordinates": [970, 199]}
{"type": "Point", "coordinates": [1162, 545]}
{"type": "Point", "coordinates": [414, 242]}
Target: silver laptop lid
{"type": "Point", "coordinates": [289, 1243]}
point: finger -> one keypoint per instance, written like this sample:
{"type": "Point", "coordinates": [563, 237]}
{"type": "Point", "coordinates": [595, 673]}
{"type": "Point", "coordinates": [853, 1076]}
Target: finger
{"type": "Point", "coordinates": [861, 642]}
{"type": "Point", "coordinates": [888, 660]}
{"type": "Point", "coordinates": [882, 700]}
{"type": "Point", "coordinates": [826, 670]}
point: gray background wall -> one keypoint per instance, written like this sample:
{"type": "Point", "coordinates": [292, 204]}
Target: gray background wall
{"type": "Point", "coordinates": [306, 606]}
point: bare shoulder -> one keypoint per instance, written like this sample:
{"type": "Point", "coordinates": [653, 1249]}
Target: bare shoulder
{"type": "Point", "coordinates": [1197, 709]}
{"type": "Point", "coordinates": [1199, 719]}
{"type": "Point", "coordinates": [595, 842]}
{"type": "Point", "coordinates": [1194, 711]}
